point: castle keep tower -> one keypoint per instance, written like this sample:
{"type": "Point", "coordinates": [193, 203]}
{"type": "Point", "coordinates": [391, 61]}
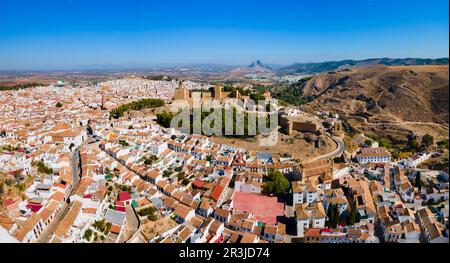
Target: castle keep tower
{"type": "Point", "coordinates": [181, 93]}
{"type": "Point", "coordinates": [218, 92]}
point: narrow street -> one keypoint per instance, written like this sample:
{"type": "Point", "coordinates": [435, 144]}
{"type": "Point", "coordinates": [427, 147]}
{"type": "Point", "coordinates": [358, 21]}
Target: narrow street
{"type": "Point", "coordinates": [76, 175]}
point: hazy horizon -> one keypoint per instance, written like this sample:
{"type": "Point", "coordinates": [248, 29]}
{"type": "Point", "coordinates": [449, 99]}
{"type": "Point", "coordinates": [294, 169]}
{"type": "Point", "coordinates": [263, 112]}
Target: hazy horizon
{"type": "Point", "coordinates": [154, 66]}
{"type": "Point", "coordinates": [52, 35]}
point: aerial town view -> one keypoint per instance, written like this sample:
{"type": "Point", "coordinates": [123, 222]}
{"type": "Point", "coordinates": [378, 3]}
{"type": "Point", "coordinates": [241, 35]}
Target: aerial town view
{"type": "Point", "coordinates": [122, 123]}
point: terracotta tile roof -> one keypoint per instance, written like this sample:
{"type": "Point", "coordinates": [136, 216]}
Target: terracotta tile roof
{"type": "Point", "coordinates": [64, 226]}
{"type": "Point", "coordinates": [217, 192]}
{"type": "Point", "coordinates": [28, 225]}
{"type": "Point", "coordinates": [57, 196]}
{"type": "Point", "coordinates": [182, 211]}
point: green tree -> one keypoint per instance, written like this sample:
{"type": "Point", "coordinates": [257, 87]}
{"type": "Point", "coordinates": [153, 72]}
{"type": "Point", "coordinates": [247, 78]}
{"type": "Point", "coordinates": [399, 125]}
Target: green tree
{"type": "Point", "coordinates": [418, 181]}
{"type": "Point", "coordinates": [42, 168]}
{"type": "Point", "coordinates": [87, 234]}
{"type": "Point", "coordinates": [185, 181]}
{"type": "Point", "coordinates": [277, 183]}
{"type": "Point", "coordinates": [333, 215]}
{"type": "Point", "coordinates": [330, 215]}
{"type": "Point", "coordinates": [293, 94]}
{"type": "Point", "coordinates": [147, 211]}
{"type": "Point", "coordinates": [354, 214]}
{"type": "Point", "coordinates": [385, 143]}
{"type": "Point", "coordinates": [340, 159]}
{"type": "Point", "coordinates": [124, 143]}
{"type": "Point", "coordinates": [395, 154]}
{"type": "Point", "coordinates": [20, 86]}
{"type": "Point", "coordinates": [152, 217]}
{"type": "Point", "coordinates": [59, 104]}
{"type": "Point", "coordinates": [257, 97]}
{"type": "Point", "coordinates": [108, 228]}
{"type": "Point", "coordinates": [21, 187]}
{"type": "Point", "coordinates": [180, 176]}
{"type": "Point", "coordinates": [336, 215]}
{"type": "Point", "coordinates": [164, 119]}
{"type": "Point", "coordinates": [430, 202]}
{"type": "Point", "coordinates": [150, 160]}
{"type": "Point", "coordinates": [443, 144]}
{"type": "Point", "coordinates": [167, 173]}
{"type": "Point", "coordinates": [413, 145]}
{"type": "Point", "coordinates": [427, 140]}
{"type": "Point", "coordinates": [136, 105]}
{"type": "Point", "coordinates": [2, 188]}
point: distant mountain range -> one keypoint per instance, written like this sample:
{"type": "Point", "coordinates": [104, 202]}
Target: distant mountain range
{"type": "Point", "coordinates": [254, 68]}
{"type": "Point", "coordinates": [259, 65]}
{"type": "Point", "coordinates": [318, 67]}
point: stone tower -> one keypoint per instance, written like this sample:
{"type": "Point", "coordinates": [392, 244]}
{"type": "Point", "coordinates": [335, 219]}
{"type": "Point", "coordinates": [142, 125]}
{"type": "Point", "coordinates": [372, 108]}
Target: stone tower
{"type": "Point", "coordinates": [237, 94]}
{"type": "Point", "coordinates": [217, 92]}
{"type": "Point", "coordinates": [181, 93]}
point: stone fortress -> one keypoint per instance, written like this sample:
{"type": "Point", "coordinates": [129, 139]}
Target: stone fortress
{"type": "Point", "coordinates": [300, 123]}
{"type": "Point", "coordinates": [215, 93]}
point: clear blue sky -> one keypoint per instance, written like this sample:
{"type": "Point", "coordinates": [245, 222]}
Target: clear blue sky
{"type": "Point", "coordinates": [62, 34]}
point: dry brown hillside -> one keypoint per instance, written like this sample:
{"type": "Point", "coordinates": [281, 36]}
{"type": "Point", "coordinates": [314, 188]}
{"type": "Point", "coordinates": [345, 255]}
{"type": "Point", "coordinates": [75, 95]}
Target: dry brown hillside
{"type": "Point", "coordinates": [409, 96]}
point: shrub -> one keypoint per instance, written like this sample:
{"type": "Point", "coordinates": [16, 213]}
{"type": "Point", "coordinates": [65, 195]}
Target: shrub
{"type": "Point", "coordinates": [150, 212]}
{"type": "Point", "coordinates": [87, 234]}
{"type": "Point", "coordinates": [427, 140]}
{"type": "Point", "coordinates": [136, 105]}
{"type": "Point", "coordinates": [42, 168]}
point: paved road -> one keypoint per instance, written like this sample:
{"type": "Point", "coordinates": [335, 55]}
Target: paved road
{"type": "Point", "coordinates": [76, 175]}
{"type": "Point", "coordinates": [50, 229]}
{"type": "Point", "coordinates": [75, 165]}
{"type": "Point", "coordinates": [336, 153]}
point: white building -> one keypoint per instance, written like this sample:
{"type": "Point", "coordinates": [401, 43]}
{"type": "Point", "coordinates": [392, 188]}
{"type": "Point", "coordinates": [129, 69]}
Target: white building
{"type": "Point", "coordinates": [373, 155]}
{"type": "Point", "coordinates": [157, 148]}
{"type": "Point", "coordinates": [312, 216]}
{"type": "Point", "coordinates": [303, 193]}
{"type": "Point", "coordinates": [417, 159]}
{"type": "Point", "coordinates": [431, 229]}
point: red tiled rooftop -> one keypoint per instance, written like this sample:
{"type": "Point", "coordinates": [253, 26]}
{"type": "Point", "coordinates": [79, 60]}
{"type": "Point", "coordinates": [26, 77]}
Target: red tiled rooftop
{"type": "Point", "coordinates": [119, 203]}
{"type": "Point", "coordinates": [217, 192]}
{"type": "Point", "coordinates": [57, 196]}
{"type": "Point", "coordinates": [124, 196]}
{"type": "Point", "coordinates": [34, 207]}
{"type": "Point", "coordinates": [9, 202]}
{"type": "Point", "coordinates": [198, 183]}
{"type": "Point", "coordinates": [265, 208]}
